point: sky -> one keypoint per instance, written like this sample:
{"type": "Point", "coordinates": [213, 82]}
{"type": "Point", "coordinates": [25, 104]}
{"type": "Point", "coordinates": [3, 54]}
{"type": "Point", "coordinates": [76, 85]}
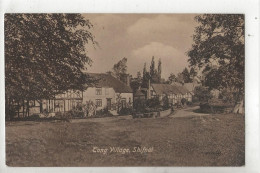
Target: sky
{"type": "Point", "coordinates": [138, 37]}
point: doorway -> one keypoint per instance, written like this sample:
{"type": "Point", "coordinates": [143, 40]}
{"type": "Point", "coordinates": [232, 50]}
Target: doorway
{"type": "Point", "coordinates": [109, 103]}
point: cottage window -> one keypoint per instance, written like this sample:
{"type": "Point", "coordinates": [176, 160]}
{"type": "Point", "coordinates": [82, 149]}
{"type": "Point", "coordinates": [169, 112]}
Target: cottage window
{"type": "Point", "coordinates": [99, 102]}
{"type": "Point", "coordinates": [98, 91]}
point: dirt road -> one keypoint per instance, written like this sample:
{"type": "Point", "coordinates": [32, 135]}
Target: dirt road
{"type": "Point", "coordinates": [188, 112]}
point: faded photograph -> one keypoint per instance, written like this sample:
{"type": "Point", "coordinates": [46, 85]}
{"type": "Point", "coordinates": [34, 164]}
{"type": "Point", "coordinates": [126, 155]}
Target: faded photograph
{"type": "Point", "coordinates": [124, 90]}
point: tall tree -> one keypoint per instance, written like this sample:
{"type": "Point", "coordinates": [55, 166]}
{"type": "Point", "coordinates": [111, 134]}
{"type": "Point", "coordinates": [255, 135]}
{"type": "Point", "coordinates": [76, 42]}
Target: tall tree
{"type": "Point", "coordinates": [139, 76]}
{"type": "Point", "coordinates": [45, 54]}
{"type": "Point", "coordinates": [218, 49]}
{"type": "Point", "coordinates": [146, 77]}
{"type": "Point", "coordinates": [136, 82]}
{"type": "Point", "coordinates": [152, 67]}
{"type": "Point", "coordinates": [144, 69]}
{"type": "Point", "coordinates": [172, 78]}
{"type": "Point", "coordinates": [159, 69]}
{"type": "Point", "coordinates": [180, 78]}
{"type": "Point", "coordinates": [186, 75]}
{"type": "Point", "coordinates": [120, 68]}
{"type": "Point", "coordinates": [193, 73]}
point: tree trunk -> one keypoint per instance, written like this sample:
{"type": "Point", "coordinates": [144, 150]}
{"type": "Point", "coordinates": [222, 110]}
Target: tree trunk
{"type": "Point", "coordinates": [28, 108]}
{"type": "Point", "coordinates": [239, 107]}
{"type": "Point", "coordinates": [23, 108]}
{"type": "Point", "coordinates": [18, 111]}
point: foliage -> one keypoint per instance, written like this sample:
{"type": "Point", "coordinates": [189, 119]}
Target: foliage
{"type": "Point", "coordinates": [45, 54]}
{"type": "Point", "coordinates": [202, 94]}
{"type": "Point", "coordinates": [227, 96]}
{"type": "Point", "coordinates": [183, 101]}
{"type": "Point", "coordinates": [165, 102]}
{"type": "Point", "coordinates": [159, 70]}
{"type": "Point", "coordinates": [152, 67]}
{"type": "Point", "coordinates": [213, 108]}
{"type": "Point", "coordinates": [193, 73]}
{"type": "Point", "coordinates": [136, 83]}
{"type": "Point", "coordinates": [153, 102]}
{"type": "Point", "coordinates": [139, 105]}
{"type": "Point", "coordinates": [186, 76]}
{"type": "Point", "coordinates": [120, 68]}
{"type": "Point", "coordinates": [75, 112]}
{"type": "Point", "coordinates": [154, 75]}
{"type": "Point", "coordinates": [103, 113]}
{"type": "Point", "coordinates": [218, 49]}
{"type": "Point", "coordinates": [146, 77]}
{"type": "Point", "coordinates": [180, 78]}
{"type": "Point", "coordinates": [126, 111]}
{"type": "Point", "coordinates": [172, 78]}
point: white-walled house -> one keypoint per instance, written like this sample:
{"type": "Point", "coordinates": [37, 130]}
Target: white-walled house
{"type": "Point", "coordinates": [108, 92]}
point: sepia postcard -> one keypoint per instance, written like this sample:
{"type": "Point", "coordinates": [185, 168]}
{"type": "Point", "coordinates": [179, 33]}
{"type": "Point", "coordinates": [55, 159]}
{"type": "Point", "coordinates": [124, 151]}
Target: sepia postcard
{"type": "Point", "coordinates": [95, 90]}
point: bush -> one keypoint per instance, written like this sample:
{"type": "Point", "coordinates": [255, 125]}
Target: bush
{"type": "Point", "coordinates": [205, 108]}
{"type": "Point", "coordinates": [147, 110]}
{"type": "Point", "coordinates": [214, 107]}
{"type": "Point", "coordinates": [165, 102]}
{"type": "Point", "coordinates": [125, 111]}
{"type": "Point", "coordinates": [227, 96]}
{"type": "Point", "coordinates": [103, 113]}
{"type": "Point", "coordinates": [202, 94]}
{"type": "Point", "coordinates": [153, 102]}
{"type": "Point", "coordinates": [183, 101]}
{"type": "Point", "coordinates": [139, 105]}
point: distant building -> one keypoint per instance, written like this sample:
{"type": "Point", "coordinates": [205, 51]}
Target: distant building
{"type": "Point", "coordinates": [173, 92]}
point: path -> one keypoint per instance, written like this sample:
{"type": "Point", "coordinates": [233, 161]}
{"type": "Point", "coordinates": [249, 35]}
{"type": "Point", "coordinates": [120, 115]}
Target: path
{"type": "Point", "coordinates": [187, 112]}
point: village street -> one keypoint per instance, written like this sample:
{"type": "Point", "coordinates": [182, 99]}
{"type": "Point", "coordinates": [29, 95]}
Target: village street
{"type": "Point", "coordinates": [185, 112]}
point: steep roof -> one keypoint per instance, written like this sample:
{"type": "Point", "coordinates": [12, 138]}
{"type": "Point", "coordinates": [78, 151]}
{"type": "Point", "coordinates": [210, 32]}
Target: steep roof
{"type": "Point", "coordinates": [169, 89]}
{"type": "Point", "coordinates": [139, 93]}
{"type": "Point", "coordinates": [107, 80]}
{"type": "Point", "coordinates": [182, 89]}
{"type": "Point", "coordinates": [191, 86]}
{"type": "Point", "coordinates": [165, 89]}
{"type": "Point", "coordinates": [176, 84]}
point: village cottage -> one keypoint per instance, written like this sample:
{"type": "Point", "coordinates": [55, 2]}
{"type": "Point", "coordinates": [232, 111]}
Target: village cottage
{"type": "Point", "coordinates": [107, 92]}
{"type": "Point", "coordinates": [173, 92]}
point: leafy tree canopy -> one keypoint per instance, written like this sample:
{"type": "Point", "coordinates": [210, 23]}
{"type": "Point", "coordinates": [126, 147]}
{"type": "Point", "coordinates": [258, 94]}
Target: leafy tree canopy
{"type": "Point", "coordinates": [45, 54]}
{"type": "Point", "coordinates": [186, 76]}
{"type": "Point", "coordinates": [120, 68]}
{"type": "Point", "coordinates": [218, 49]}
{"type": "Point", "coordinates": [172, 78]}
